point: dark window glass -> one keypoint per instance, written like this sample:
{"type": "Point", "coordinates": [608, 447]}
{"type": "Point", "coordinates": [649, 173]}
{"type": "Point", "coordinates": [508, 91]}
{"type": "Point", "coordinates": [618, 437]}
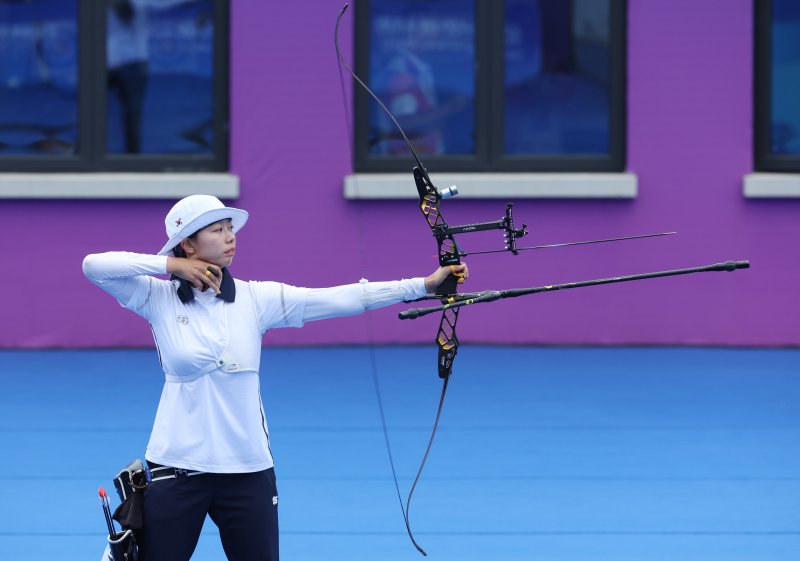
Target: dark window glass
{"type": "Point", "coordinates": [785, 83]}
{"type": "Point", "coordinates": [492, 85]}
{"type": "Point", "coordinates": [777, 82]}
{"type": "Point", "coordinates": [159, 60]}
{"type": "Point", "coordinates": [38, 77]}
{"type": "Point", "coordinates": [422, 62]}
{"type": "Point", "coordinates": [557, 77]}
{"type": "Point", "coordinates": [113, 85]}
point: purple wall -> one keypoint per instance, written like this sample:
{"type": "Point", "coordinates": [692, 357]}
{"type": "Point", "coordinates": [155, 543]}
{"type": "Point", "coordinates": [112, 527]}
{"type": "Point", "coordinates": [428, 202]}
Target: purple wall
{"type": "Point", "coordinates": [689, 141]}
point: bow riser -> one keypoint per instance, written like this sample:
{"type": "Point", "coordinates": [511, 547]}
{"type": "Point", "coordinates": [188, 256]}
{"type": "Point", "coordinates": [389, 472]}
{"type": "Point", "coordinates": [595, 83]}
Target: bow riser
{"type": "Point", "coordinates": [430, 205]}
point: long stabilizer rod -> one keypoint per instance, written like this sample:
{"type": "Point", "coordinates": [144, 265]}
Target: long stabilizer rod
{"type": "Point", "coordinates": [492, 295]}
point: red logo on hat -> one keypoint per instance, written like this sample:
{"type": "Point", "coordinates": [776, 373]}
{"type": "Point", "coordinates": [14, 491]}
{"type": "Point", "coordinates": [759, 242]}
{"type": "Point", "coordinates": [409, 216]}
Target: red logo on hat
{"type": "Point", "coordinates": [178, 222]}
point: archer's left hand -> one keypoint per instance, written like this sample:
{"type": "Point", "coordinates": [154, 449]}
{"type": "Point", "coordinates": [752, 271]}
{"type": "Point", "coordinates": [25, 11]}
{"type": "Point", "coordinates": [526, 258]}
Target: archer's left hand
{"type": "Point", "coordinates": [461, 272]}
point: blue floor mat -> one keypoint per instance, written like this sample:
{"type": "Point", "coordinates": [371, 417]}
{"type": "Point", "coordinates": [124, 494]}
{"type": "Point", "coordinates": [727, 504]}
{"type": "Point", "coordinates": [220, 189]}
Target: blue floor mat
{"type": "Point", "coordinates": [542, 453]}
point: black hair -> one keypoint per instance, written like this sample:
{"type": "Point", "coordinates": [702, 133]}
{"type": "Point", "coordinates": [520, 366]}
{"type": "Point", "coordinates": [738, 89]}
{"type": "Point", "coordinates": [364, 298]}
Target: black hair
{"type": "Point", "coordinates": [178, 251]}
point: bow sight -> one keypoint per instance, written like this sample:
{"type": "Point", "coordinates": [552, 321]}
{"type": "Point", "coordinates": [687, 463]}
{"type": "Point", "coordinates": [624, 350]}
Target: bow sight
{"type": "Point", "coordinates": [449, 252]}
{"type": "Point", "coordinates": [442, 232]}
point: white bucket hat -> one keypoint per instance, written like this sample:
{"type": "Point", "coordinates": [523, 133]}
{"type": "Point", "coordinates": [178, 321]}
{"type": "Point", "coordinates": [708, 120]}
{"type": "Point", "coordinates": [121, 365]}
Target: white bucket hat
{"type": "Point", "coordinates": [194, 213]}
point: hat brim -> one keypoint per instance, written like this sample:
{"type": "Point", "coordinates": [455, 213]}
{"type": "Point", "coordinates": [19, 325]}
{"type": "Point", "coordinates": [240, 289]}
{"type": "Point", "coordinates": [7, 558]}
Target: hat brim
{"type": "Point", "coordinates": [238, 218]}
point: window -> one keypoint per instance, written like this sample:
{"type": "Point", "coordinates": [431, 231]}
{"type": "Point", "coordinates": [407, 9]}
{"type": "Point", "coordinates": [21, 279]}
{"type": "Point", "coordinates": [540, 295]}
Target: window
{"type": "Point", "coordinates": [492, 85]}
{"type": "Point", "coordinates": [777, 113]}
{"type": "Point", "coordinates": [113, 85]}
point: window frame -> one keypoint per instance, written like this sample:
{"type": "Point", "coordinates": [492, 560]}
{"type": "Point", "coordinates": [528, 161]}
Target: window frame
{"type": "Point", "coordinates": [764, 159]}
{"type": "Point", "coordinates": [91, 155]}
{"type": "Point", "coordinates": [490, 57]}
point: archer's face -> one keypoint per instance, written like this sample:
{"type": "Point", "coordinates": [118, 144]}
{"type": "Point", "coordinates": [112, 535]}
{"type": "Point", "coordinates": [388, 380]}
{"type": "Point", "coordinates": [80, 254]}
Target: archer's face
{"type": "Point", "coordinates": [216, 243]}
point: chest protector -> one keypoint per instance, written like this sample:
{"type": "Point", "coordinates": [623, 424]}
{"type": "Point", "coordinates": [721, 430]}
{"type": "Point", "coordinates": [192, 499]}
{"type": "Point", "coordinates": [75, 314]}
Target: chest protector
{"type": "Point", "coordinates": [198, 337]}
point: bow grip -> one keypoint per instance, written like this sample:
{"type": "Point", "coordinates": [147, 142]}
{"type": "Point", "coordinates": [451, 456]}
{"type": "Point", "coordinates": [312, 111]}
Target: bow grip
{"type": "Point", "coordinates": [449, 286]}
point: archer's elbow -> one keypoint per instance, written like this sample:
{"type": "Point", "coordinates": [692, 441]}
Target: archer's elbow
{"type": "Point", "coordinates": [89, 265]}
{"type": "Point", "coordinates": [93, 267]}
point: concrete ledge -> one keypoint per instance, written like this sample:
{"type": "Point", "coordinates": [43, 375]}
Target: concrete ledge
{"type": "Point", "coordinates": [117, 185]}
{"type": "Point", "coordinates": [497, 185]}
{"type": "Point", "coordinates": [772, 185]}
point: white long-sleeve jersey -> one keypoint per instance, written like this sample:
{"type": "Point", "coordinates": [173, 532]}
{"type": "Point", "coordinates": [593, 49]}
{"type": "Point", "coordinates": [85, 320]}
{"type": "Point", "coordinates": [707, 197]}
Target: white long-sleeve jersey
{"type": "Point", "coordinates": [210, 417]}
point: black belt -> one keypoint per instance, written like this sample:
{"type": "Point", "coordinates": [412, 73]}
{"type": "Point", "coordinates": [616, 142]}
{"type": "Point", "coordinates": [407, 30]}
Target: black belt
{"type": "Point", "coordinates": [159, 472]}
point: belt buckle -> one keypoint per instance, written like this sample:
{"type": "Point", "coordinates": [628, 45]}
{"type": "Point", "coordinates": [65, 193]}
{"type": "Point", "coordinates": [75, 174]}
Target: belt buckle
{"type": "Point", "coordinates": [180, 472]}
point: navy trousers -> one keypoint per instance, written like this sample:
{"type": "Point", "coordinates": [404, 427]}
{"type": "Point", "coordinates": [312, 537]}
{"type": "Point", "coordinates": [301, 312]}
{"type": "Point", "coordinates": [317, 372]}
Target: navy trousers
{"type": "Point", "coordinates": [244, 506]}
